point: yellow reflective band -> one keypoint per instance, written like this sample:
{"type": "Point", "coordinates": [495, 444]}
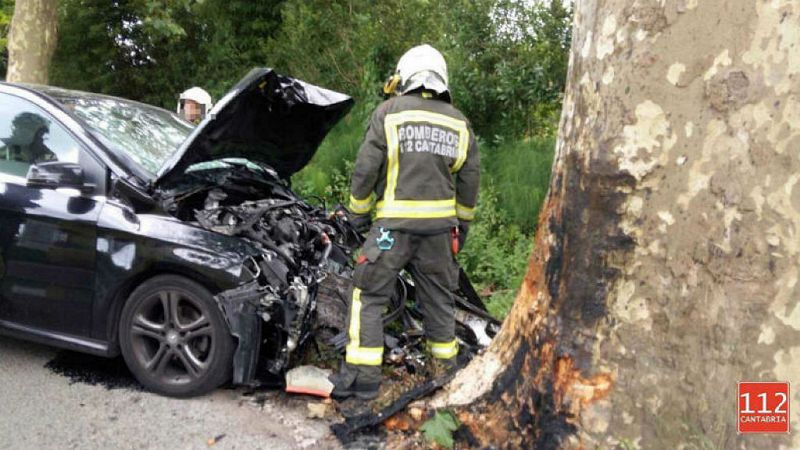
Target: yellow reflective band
{"type": "Point", "coordinates": [392, 159]}
{"type": "Point", "coordinates": [416, 209]}
{"type": "Point", "coordinates": [355, 317]}
{"type": "Point", "coordinates": [394, 120]}
{"type": "Point", "coordinates": [361, 206]}
{"type": "Point", "coordinates": [443, 350]}
{"type": "Point", "coordinates": [365, 356]}
{"type": "Point", "coordinates": [463, 148]}
{"type": "Point", "coordinates": [465, 212]}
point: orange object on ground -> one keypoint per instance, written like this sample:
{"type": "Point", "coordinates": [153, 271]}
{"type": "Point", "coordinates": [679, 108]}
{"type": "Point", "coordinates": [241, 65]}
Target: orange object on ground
{"type": "Point", "coordinates": [307, 391]}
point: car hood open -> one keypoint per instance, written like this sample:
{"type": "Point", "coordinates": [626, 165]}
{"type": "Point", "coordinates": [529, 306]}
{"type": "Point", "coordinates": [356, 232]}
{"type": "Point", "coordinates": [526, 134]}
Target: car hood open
{"type": "Point", "coordinates": [266, 118]}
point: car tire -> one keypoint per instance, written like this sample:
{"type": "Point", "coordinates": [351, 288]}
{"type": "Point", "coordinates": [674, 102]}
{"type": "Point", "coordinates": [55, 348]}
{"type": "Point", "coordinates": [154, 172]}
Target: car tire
{"type": "Point", "coordinates": [174, 338]}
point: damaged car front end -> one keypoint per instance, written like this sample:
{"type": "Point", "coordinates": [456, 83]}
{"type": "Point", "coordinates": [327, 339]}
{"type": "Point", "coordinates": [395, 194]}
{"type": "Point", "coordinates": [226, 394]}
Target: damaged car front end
{"type": "Point", "coordinates": [300, 245]}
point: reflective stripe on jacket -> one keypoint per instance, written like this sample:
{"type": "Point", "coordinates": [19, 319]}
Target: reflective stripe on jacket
{"type": "Point", "coordinates": [418, 166]}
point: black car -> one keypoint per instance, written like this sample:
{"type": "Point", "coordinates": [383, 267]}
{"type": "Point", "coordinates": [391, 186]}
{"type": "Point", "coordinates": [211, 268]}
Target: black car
{"type": "Point", "coordinates": [123, 229]}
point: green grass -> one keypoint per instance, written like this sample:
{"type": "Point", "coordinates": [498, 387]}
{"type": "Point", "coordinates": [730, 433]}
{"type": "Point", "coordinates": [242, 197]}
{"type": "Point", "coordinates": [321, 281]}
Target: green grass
{"type": "Point", "coordinates": [520, 170]}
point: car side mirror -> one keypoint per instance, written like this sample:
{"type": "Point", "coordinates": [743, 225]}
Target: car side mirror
{"type": "Point", "coordinates": [57, 174]}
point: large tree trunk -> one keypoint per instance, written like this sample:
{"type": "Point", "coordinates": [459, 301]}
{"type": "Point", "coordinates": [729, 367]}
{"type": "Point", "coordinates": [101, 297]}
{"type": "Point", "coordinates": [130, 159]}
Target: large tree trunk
{"type": "Point", "coordinates": [668, 252]}
{"type": "Point", "coordinates": [32, 40]}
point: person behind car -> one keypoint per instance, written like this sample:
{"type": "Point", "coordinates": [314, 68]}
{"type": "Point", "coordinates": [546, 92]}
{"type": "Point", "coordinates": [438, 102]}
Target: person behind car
{"type": "Point", "coordinates": [194, 104]}
{"type": "Point", "coordinates": [419, 168]}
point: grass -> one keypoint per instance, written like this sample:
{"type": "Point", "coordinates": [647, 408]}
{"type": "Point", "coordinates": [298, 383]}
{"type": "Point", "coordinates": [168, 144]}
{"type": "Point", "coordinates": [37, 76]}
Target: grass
{"type": "Point", "coordinates": [520, 171]}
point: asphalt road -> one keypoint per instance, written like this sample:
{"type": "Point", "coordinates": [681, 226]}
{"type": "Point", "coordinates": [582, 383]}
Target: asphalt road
{"type": "Point", "coordinates": [96, 405]}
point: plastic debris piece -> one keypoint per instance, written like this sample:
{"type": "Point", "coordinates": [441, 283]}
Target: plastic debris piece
{"type": "Point", "coordinates": [309, 380]}
{"type": "Point", "coordinates": [317, 410]}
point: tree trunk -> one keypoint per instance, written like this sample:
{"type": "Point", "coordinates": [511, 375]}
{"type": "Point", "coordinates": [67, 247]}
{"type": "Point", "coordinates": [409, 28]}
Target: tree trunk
{"type": "Point", "coordinates": [32, 40]}
{"type": "Point", "coordinates": [668, 253]}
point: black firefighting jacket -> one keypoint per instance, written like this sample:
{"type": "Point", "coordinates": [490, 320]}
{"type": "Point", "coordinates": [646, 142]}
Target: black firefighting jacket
{"type": "Point", "coordinates": [419, 166]}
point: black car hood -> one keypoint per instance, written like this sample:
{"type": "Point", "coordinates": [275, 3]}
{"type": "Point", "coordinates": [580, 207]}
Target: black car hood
{"type": "Point", "coordinates": [266, 118]}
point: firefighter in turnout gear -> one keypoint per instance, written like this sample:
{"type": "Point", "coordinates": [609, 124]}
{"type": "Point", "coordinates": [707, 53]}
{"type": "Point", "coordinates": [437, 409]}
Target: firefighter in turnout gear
{"type": "Point", "coordinates": [418, 169]}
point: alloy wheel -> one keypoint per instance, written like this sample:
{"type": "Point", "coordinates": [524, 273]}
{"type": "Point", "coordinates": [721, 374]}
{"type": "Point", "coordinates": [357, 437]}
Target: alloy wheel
{"type": "Point", "coordinates": [172, 337]}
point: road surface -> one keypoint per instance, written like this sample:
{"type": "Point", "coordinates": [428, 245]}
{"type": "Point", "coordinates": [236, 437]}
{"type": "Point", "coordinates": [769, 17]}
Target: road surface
{"type": "Point", "coordinates": [82, 402]}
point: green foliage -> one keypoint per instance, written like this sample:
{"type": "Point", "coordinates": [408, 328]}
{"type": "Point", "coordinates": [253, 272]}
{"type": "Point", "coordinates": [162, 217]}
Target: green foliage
{"type": "Point", "coordinates": [440, 428]}
{"type": "Point", "coordinates": [6, 11]}
{"type": "Point", "coordinates": [520, 170]}
{"type": "Point", "coordinates": [508, 64]}
{"type": "Point", "coordinates": [507, 59]}
{"type": "Point", "coordinates": [151, 50]}
{"type": "Point", "coordinates": [496, 252]}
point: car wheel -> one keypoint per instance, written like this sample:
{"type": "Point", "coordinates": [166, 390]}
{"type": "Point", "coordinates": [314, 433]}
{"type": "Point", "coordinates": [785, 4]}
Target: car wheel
{"type": "Point", "coordinates": [174, 339]}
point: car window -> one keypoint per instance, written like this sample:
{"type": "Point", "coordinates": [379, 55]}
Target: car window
{"type": "Point", "coordinates": [29, 136]}
{"type": "Point", "coordinates": [146, 134]}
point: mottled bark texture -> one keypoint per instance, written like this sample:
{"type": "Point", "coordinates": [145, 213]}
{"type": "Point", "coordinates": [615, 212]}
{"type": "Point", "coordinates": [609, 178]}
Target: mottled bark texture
{"type": "Point", "coordinates": [32, 40]}
{"type": "Point", "coordinates": [667, 259]}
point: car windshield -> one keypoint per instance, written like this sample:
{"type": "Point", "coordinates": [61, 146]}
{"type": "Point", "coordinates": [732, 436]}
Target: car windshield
{"type": "Point", "coordinates": [146, 134]}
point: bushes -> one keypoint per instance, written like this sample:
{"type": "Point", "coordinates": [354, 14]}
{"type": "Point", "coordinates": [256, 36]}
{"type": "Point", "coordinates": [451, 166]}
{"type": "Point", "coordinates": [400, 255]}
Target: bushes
{"type": "Point", "coordinates": [496, 253]}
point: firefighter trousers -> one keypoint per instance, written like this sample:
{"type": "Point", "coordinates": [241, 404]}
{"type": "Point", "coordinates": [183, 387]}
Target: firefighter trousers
{"type": "Point", "coordinates": [429, 260]}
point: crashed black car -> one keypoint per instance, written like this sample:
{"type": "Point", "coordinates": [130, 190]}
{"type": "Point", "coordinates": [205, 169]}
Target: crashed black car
{"type": "Point", "coordinates": [123, 229]}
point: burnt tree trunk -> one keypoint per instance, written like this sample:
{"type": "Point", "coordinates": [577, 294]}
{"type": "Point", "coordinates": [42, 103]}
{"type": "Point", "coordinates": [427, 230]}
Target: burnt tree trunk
{"type": "Point", "coordinates": [32, 40]}
{"type": "Point", "coordinates": [667, 256]}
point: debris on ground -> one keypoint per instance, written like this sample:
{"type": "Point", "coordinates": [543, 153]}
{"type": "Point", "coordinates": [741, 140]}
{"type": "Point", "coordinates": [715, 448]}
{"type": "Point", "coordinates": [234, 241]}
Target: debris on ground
{"type": "Point", "coordinates": [355, 424]}
{"type": "Point", "coordinates": [319, 410]}
{"type": "Point", "coordinates": [213, 441]}
{"type": "Point", "coordinates": [309, 380]}
{"type": "Point", "coordinates": [416, 413]}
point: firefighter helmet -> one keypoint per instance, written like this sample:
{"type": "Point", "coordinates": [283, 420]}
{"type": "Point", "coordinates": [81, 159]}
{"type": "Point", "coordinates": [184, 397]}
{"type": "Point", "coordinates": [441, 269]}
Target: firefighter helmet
{"type": "Point", "coordinates": [197, 95]}
{"type": "Point", "coordinates": [422, 66]}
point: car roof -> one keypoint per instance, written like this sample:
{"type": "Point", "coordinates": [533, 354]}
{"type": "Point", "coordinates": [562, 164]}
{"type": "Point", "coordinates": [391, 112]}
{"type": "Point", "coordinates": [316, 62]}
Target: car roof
{"type": "Point", "coordinates": [54, 93]}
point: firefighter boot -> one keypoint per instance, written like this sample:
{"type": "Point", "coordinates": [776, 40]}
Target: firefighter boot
{"type": "Point", "coordinates": [353, 381]}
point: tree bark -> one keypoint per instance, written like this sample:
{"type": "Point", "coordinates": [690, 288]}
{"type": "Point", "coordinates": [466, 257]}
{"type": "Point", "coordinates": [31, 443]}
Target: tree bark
{"type": "Point", "coordinates": [32, 40]}
{"type": "Point", "coordinates": [667, 255]}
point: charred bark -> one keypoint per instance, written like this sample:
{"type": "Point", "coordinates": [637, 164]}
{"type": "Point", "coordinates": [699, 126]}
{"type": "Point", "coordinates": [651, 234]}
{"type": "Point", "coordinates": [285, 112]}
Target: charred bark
{"type": "Point", "coordinates": [666, 260]}
{"type": "Point", "coordinates": [32, 40]}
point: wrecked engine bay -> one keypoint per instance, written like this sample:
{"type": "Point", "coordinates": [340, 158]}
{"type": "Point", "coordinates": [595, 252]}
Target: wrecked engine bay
{"type": "Point", "coordinates": [301, 283]}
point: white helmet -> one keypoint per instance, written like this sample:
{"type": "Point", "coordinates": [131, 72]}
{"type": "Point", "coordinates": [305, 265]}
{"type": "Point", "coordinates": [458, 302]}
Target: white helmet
{"type": "Point", "coordinates": [198, 95]}
{"type": "Point", "coordinates": [422, 66]}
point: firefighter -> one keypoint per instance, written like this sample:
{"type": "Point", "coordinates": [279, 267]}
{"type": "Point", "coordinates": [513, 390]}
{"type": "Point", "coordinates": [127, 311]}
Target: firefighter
{"type": "Point", "coordinates": [194, 104]}
{"type": "Point", "coordinates": [418, 168]}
